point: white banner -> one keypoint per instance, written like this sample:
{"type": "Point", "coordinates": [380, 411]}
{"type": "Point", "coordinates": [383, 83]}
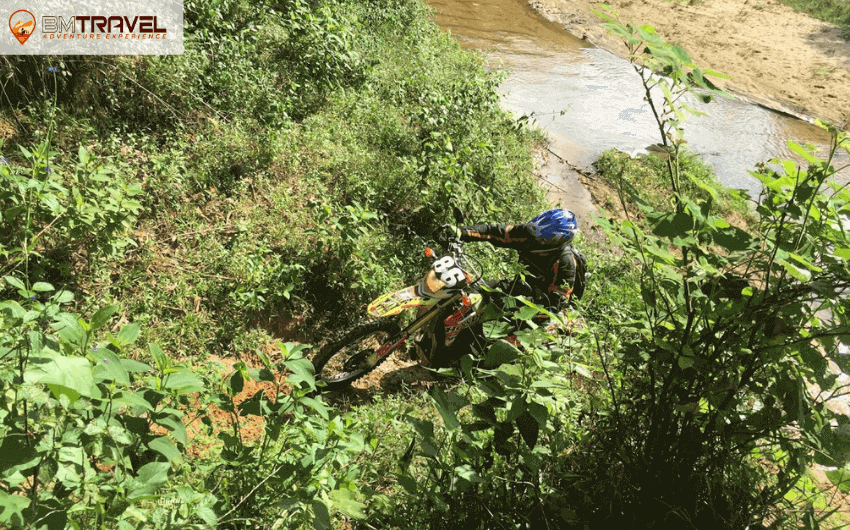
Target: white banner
{"type": "Point", "coordinates": [92, 27]}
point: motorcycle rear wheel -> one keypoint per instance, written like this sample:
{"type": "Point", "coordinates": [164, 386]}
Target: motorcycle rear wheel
{"type": "Point", "coordinates": [352, 356]}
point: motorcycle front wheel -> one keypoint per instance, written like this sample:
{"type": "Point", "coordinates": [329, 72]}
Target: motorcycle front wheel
{"type": "Point", "coordinates": [354, 355]}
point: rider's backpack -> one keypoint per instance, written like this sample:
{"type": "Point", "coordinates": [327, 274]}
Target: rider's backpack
{"type": "Point", "coordinates": [581, 274]}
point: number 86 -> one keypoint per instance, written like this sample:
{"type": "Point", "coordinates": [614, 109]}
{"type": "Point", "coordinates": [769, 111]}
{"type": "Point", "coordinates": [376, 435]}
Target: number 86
{"type": "Point", "coordinates": [449, 274]}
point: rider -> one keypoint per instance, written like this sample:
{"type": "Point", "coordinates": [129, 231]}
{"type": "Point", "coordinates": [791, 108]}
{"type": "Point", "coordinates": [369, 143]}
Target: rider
{"type": "Point", "coordinates": [545, 249]}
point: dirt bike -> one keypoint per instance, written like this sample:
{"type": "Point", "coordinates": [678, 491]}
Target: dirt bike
{"type": "Point", "coordinates": [448, 288]}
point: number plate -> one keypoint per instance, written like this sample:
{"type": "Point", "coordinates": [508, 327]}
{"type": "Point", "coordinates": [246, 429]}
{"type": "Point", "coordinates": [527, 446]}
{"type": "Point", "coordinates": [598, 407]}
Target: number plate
{"type": "Point", "coordinates": [448, 271]}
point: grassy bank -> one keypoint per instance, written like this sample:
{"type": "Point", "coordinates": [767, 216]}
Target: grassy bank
{"type": "Point", "coordinates": [161, 212]}
{"type": "Point", "coordinates": [644, 182]}
{"type": "Point", "coordinates": [834, 11]}
{"type": "Point", "coordinates": [287, 187]}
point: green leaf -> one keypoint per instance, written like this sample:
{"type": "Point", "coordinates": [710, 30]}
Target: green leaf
{"type": "Point", "coordinates": [485, 411]}
{"type": "Point", "coordinates": [316, 405]}
{"type": "Point", "coordinates": [733, 239]}
{"type": "Point", "coordinates": [681, 54]}
{"type": "Point", "coordinates": [355, 443]}
{"type": "Point", "coordinates": [501, 352]}
{"type": "Point", "coordinates": [12, 509]}
{"type": "Point", "coordinates": [102, 316]}
{"type": "Point", "coordinates": [516, 408]}
{"type": "Point", "coordinates": [672, 225]}
{"type": "Point", "coordinates": [208, 515]}
{"type": "Point", "coordinates": [173, 424]}
{"type": "Point", "coordinates": [36, 342]}
{"type": "Point", "coordinates": [663, 255]}
{"type": "Point", "coordinates": [805, 262]}
{"type": "Point", "coordinates": [42, 287]}
{"type": "Point", "coordinates": [302, 370]}
{"type": "Point", "coordinates": [110, 368]}
{"type": "Point", "coordinates": [183, 382]}
{"type": "Point", "coordinates": [526, 314]}
{"type": "Point", "coordinates": [538, 412]}
{"type": "Point", "coordinates": [135, 366]}
{"type": "Point", "coordinates": [408, 483]}
{"type": "Point", "coordinates": [128, 334]}
{"type": "Point", "coordinates": [265, 358]}
{"type": "Point", "coordinates": [69, 376]}
{"type": "Point", "coordinates": [13, 309]}
{"type": "Point", "coordinates": [133, 400]}
{"type": "Point", "coordinates": [467, 473]}
{"type": "Point", "coordinates": [843, 253]}
{"type": "Point", "coordinates": [712, 73]}
{"type": "Point", "coordinates": [63, 297]}
{"type": "Point", "coordinates": [235, 383]}
{"type": "Point", "coordinates": [444, 407]}
{"type": "Point", "coordinates": [703, 186]}
{"type": "Point", "coordinates": [164, 446]}
{"type": "Point", "coordinates": [528, 428]}
{"type": "Point", "coordinates": [149, 478]}
{"type": "Point", "coordinates": [69, 330]}
{"type": "Point", "coordinates": [14, 282]}
{"type": "Point", "coordinates": [797, 273]}
{"type": "Point", "coordinates": [162, 361]}
{"type": "Point", "coordinates": [261, 374]}
{"type": "Point", "coordinates": [290, 350]}
{"type": "Point", "coordinates": [345, 500]}
{"type": "Point", "coordinates": [840, 478]}
{"type": "Point", "coordinates": [797, 148]}
{"type": "Point", "coordinates": [582, 370]}
{"type": "Point", "coordinates": [323, 517]}
{"type": "Point", "coordinates": [255, 406]}
{"type": "Point", "coordinates": [496, 329]}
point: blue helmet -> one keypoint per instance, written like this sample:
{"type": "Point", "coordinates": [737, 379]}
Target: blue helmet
{"type": "Point", "coordinates": [554, 226]}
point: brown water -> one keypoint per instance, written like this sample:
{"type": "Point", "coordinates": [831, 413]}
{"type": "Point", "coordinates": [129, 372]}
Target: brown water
{"type": "Point", "coordinates": [594, 99]}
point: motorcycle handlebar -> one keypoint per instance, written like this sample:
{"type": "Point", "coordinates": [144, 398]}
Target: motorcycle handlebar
{"type": "Point", "coordinates": [455, 246]}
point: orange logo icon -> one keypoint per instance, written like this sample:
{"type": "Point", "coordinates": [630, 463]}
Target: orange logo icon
{"type": "Point", "coordinates": [22, 24]}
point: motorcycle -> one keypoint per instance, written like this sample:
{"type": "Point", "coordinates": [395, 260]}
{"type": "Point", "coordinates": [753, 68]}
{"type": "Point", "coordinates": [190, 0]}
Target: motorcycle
{"type": "Point", "coordinates": [448, 288]}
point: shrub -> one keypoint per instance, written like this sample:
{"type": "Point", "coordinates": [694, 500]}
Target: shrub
{"type": "Point", "coordinates": [710, 391]}
{"type": "Point", "coordinates": [51, 214]}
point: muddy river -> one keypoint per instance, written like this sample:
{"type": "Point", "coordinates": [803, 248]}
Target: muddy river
{"type": "Point", "coordinates": [593, 100]}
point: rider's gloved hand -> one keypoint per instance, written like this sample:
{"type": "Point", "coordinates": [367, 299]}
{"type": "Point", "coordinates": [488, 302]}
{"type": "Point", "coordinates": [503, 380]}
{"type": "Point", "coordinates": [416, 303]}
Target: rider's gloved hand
{"type": "Point", "coordinates": [445, 233]}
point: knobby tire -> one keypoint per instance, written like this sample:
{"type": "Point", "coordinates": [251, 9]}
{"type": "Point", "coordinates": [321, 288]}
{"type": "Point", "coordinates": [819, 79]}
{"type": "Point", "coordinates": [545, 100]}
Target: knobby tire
{"type": "Point", "coordinates": [359, 340]}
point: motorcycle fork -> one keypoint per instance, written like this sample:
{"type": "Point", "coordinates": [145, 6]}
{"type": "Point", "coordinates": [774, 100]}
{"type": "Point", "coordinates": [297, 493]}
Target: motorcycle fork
{"type": "Point", "coordinates": [432, 327]}
{"type": "Point", "coordinates": [458, 321]}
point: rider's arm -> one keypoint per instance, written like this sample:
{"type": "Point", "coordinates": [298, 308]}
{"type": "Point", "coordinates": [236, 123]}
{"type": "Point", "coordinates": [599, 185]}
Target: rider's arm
{"type": "Point", "coordinates": [498, 235]}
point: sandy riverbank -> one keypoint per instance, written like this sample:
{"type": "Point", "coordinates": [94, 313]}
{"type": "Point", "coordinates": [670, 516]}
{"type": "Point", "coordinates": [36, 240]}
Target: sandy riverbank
{"type": "Point", "coordinates": [775, 56]}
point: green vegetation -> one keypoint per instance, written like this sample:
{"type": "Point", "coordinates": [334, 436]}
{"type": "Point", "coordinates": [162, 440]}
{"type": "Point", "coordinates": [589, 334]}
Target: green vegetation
{"type": "Point", "coordinates": [733, 328]}
{"type": "Point", "coordinates": [834, 11]}
{"type": "Point", "coordinates": [175, 231]}
{"type": "Point", "coordinates": [273, 187]}
{"type": "Point", "coordinates": [647, 177]}
{"type": "Point", "coordinates": [286, 173]}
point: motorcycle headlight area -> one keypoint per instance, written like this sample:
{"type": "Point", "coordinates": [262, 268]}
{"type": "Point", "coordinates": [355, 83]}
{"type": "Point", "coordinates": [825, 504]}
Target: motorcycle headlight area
{"type": "Point", "coordinates": [433, 286]}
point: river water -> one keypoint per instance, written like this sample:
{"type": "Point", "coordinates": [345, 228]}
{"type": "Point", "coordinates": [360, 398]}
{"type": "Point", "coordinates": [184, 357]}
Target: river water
{"type": "Point", "coordinates": [594, 99]}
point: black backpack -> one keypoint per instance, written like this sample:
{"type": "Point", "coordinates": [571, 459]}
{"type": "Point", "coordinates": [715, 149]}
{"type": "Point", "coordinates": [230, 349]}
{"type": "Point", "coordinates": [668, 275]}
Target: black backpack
{"type": "Point", "coordinates": [581, 274]}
